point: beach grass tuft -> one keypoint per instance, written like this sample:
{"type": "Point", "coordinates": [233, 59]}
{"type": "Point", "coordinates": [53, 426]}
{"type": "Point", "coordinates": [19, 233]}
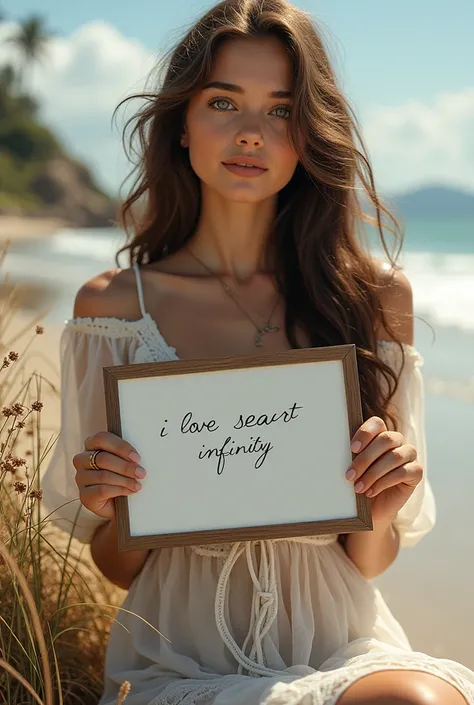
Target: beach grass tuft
{"type": "Point", "coordinates": [55, 608]}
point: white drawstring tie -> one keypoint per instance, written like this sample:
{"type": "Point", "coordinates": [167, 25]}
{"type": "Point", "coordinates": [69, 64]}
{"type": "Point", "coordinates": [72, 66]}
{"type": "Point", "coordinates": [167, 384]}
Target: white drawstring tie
{"type": "Point", "coordinates": [264, 607]}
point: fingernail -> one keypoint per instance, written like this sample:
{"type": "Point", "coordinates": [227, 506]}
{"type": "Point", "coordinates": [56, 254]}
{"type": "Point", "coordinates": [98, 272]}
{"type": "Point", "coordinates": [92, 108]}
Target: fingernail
{"type": "Point", "coordinates": [369, 493]}
{"type": "Point", "coordinates": [356, 446]}
{"type": "Point", "coordinates": [138, 486]}
{"type": "Point", "coordinates": [359, 487]}
{"type": "Point", "coordinates": [134, 457]}
{"type": "Point", "coordinates": [350, 474]}
{"type": "Point", "coordinates": [140, 472]}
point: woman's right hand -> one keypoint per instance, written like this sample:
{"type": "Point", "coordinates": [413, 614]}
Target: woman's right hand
{"type": "Point", "coordinates": [119, 473]}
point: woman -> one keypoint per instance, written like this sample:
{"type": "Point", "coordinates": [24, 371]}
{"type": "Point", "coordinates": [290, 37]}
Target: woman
{"type": "Point", "coordinates": [246, 239]}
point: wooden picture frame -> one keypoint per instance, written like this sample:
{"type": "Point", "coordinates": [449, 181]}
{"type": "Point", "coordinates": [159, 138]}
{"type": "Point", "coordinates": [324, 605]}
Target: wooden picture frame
{"type": "Point", "coordinates": [133, 394]}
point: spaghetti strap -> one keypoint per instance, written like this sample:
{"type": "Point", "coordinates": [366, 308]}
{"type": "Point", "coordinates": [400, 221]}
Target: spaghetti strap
{"type": "Point", "coordinates": [141, 298]}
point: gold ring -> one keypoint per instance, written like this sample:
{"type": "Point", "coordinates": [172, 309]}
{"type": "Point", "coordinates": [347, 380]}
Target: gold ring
{"type": "Point", "coordinates": [92, 463]}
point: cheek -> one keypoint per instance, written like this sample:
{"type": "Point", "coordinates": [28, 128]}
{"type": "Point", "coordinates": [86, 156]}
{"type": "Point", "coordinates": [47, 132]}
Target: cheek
{"type": "Point", "coordinates": [205, 132]}
{"type": "Point", "coordinates": [287, 157]}
{"type": "Point", "coordinates": [291, 158]}
{"type": "Point", "coordinates": [281, 144]}
{"type": "Point", "coordinates": [206, 140]}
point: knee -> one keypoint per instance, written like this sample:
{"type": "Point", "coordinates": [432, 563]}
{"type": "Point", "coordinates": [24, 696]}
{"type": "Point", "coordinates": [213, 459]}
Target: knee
{"type": "Point", "coordinates": [401, 688]}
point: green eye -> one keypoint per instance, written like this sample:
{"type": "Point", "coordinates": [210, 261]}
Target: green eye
{"type": "Point", "coordinates": [220, 104]}
{"type": "Point", "coordinates": [283, 111]}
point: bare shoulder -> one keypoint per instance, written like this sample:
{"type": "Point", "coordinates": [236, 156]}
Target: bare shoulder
{"type": "Point", "coordinates": [111, 294]}
{"type": "Point", "coordinates": [396, 300]}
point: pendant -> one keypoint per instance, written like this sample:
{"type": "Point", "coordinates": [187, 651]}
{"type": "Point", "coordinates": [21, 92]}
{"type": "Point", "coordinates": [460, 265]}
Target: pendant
{"type": "Point", "coordinates": [267, 328]}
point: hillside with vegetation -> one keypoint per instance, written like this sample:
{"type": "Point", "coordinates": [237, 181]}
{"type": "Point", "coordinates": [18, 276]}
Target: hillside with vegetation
{"type": "Point", "coordinates": [437, 201]}
{"type": "Point", "coordinates": [38, 177]}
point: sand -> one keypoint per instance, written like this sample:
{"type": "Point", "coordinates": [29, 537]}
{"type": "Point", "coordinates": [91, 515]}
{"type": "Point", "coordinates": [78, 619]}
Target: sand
{"type": "Point", "coordinates": [38, 354]}
{"type": "Point", "coordinates": [15, 227]}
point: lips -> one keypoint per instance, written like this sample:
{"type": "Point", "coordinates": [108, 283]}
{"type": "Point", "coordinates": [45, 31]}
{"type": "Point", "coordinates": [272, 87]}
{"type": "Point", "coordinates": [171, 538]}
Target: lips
{"type": "Point", "coordinates": [246, 162]}
{"type": "Point", "coordinates": [244, 171]}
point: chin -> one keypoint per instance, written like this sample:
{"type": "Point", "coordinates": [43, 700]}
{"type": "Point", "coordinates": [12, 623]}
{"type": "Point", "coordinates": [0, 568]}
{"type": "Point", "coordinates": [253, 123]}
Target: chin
{"type": "Point", "coordinates": [245, 195]}
{"type": "Point", "coordinates": [244, 192]}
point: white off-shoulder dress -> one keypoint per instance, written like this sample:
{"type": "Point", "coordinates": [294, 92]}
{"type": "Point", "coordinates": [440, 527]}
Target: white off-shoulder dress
{"type": "Point", "coordinates": [293, 623]}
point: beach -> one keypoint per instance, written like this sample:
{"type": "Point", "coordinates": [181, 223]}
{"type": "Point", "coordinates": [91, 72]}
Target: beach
{"type": "Point", "coordinates": [429, 586]}
{"type": "Point", "coordinates": [14, 227]}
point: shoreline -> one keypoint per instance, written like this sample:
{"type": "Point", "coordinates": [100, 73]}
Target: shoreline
{"type": "Point", "coordinates": [22, 227]}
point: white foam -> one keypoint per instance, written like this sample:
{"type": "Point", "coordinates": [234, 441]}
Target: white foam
{"type": "Point", "coordinates": [97, 244]}
{"type": "Point", "coordinates": [443, 284]}
{"type": "Point", "coordinates": [443, 287]}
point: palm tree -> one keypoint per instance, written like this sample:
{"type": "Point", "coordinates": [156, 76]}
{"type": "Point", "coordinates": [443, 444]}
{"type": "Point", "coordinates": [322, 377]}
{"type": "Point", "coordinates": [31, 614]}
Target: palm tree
{"type": "Point", "coordinates": [31, 41]}
{"type": "Point", "coordinates": [7, 77]}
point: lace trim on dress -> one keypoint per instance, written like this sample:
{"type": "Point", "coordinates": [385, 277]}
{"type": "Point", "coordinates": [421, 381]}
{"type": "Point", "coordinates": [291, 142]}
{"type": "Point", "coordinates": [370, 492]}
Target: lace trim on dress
{"type": "Point", "coordinates": [322, 687]}
{"type": "Point", "coordinates": [153, 343]}
{"type": "Point", "coordinates": [107, 327]}
{"type": "Point", "coordinates": [334, 683]}
{"type": "Point", "coordinates": [190, 691]}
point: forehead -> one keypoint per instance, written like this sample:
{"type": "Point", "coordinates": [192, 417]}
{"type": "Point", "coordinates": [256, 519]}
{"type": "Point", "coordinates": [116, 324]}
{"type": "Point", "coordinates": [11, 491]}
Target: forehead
{"type": "Point", "coordinates": [262, 60]}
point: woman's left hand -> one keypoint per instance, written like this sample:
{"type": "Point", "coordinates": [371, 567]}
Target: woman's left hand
{"type": "Point", "coordinates": [386, 469]}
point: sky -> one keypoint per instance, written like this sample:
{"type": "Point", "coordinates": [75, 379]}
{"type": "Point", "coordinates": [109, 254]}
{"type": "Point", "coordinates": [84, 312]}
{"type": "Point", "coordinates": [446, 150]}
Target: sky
{"type": "Point", "coordinates": [407, 68]}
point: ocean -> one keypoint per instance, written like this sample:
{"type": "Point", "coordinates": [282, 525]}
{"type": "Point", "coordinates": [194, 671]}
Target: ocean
{"type": "Point", "coordinates": [438, 258]}
{"type": "Point", "coordinates": [429, 587]}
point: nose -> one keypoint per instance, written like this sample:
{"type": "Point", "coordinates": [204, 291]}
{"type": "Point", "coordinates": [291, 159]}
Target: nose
{"type": "Point", "coordinates": [250, 136]}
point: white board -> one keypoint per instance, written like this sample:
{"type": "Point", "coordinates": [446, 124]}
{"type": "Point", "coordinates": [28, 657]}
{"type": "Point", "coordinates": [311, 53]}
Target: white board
{"type": "Point", "coordinates": [238, 448]}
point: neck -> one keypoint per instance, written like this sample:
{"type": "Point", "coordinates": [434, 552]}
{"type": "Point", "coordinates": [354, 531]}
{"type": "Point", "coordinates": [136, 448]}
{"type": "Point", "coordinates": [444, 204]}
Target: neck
{"type": "Point", "coordinates": [231, 237]}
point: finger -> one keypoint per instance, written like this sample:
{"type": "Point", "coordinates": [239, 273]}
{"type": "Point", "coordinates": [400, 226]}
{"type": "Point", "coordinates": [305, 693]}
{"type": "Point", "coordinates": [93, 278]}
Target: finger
{"type": "Point", "coordinates": [392, 460]}
{"type": "Point", "coordinates": [108, 461]}
{"type": "Point", "coordinates": [387, 451]}
{"type": "Point", "coordinates": [409, 475]}
{"type": "Point", "coordinates": [93, 478]}
{"type": "Point", "coordinates": [378, 447]}
{"type": "Point", "coordinates": [113, 444]}
{"type": "Point", "coordinates": [90, 496]}
{"type": "Point", "coordinates": [369, 429]}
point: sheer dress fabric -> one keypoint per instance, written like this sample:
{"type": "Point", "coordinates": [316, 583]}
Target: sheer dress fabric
{"type": "Point", "coordinates": [274, 622]}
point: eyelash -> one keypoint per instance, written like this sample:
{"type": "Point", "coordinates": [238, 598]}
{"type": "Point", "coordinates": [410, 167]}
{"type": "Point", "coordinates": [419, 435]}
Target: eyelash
{"type": "Point", "coordinates": [226, 100]}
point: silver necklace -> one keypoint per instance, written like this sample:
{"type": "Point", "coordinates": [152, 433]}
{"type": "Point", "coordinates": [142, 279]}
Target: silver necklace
{"type": "Point", "coordinates": [267, 327]}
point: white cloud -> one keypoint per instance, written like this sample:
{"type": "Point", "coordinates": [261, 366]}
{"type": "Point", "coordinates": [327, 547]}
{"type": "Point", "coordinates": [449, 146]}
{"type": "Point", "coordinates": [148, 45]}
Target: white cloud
{"type": "Point", "coordinates": [84, 77]}
{"type": "Point", "coordinates": [80, 82]}
{"type": "Point", "coordinates": [414, 142]}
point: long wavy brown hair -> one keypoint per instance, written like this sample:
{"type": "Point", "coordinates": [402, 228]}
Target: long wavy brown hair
{"type": "Point", "coordinates": [323, 268]}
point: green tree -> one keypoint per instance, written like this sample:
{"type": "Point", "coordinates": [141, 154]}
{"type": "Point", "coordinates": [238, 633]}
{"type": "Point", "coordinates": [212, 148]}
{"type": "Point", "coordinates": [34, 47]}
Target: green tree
{"type": "Point", "coordinates": [31, 40]}
{"type": "Point", "coordinates": [7, 78]}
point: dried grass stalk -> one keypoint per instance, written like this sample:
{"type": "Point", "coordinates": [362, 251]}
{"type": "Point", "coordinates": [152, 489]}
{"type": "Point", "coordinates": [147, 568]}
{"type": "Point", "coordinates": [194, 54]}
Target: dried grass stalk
{"type": "Point", "coordinates": [53, 620]}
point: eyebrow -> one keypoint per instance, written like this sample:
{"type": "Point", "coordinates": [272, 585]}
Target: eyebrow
{"type": "Point", "coordinates": [232, 88]}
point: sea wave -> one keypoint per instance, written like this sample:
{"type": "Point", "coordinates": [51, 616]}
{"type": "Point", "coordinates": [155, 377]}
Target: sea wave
{"type": "Point", "coordinates": [443, 287]}
{"type": "Point", "coordinates": [443, 284]}
{"type": "Point", "coordinates": [100, 244]}
{"type": "Point", "coordinates": [462, 390]}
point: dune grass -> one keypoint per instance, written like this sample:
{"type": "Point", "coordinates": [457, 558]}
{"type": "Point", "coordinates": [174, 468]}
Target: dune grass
{"type": "Point", "coordinates": [55, 608]}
